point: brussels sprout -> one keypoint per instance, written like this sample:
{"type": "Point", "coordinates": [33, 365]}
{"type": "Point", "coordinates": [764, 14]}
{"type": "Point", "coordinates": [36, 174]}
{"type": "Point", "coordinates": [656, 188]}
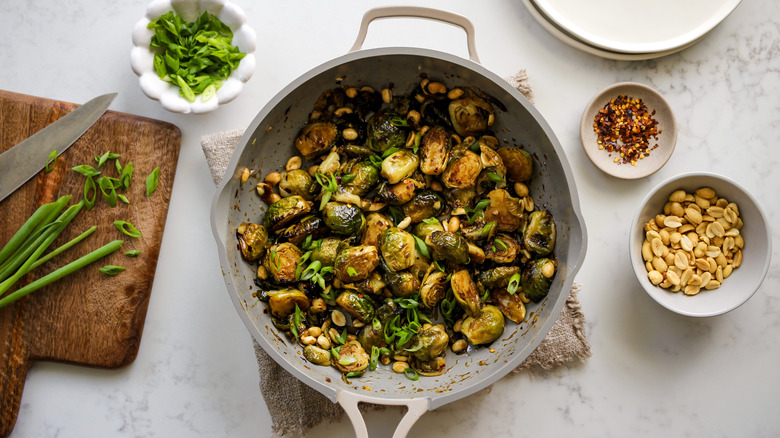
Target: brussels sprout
{"type": "Point", "coordinates": [316, 138]}
{"type": "Point", "coordinates": [478, 231]}
{"type": "Point", "coordinates": [434, 150]}
{"type": "Point", "coordinates": [352, 358]}
{"type": "Point", "coordinates": [366, 177]}
{"type": "Point", "coordinates": [281, 261]}
{"type": "Point", "coordinates": [448, 246]}
{"type": "Point", "coordinates": [369, 337]}
{"type": "Point", "coordinates": [435, 112]}
{"type": "Point", "coordinates": [476, 254]}
{"type": "Point", "coordinates": [465, 291]}
{"type": "Point", "coordinates": [310, 225]}
{"type": "Point", "coordinates": [485, 328]}
{"type": "Point", "coordinates": [425, 204]}
{"type": "Point", "coordinates": [402, 284]}
{"type": "Point", "coordinates": [356, 263]}
{"type": "Point", "coordinates": [489, 179]}
{"type": "Point", "coordinates": [518, 162]}
{"type": "Point", "coordinates": [371, 285]}
{"type": "Point", "coordinates": [503, 249]}
{"type": "Point", "coordinates": [470, 116]}
{"type": "Point", "coordinates": [398, 193]}
{"type": "Point", "coordinates": [345, 197]}
{"type": "Point", "coordinates": [535, 284]}
{"type": "Point", "coordinates": [399, 165]}
{"type": "Point", "coordinates": [284, 211]}
{"type": "Point", "coordinates": [460, 198]}
{"type": "Point", "coordinates": [253, 242]}
{"type": "Point", "coordinates": [326, 251]}
{"type": "Point", "coordinates": [354, 150]}
{"type": "Point", "coordinates": [491, 158]}
{"type": "Point", "coordinates": [509, 304]}
{"type": "Point", "coordinates": [298, 182]}
{"type": "Point", "coordinates": [282, 302]}
{"type": "Point", "coordinates": [317, 355]}
{"type": "Point", "coordinates": [429, 343]}
{"type": "Point", "coordinates": [506, 211]}
{"type": "Point", "coordinates": [462, 169]}
{"type": "Point", "coordinates": [385, 130]}
{"type": "Point", "coordinates": [376, 224]}
{"type": "Point", "coordinates": [398, 249]}
{"type": "Point", "coordinates": [344, 219]}
{"type": "Point", "coordinates": [433, 288]}
{"type": "Point", "coordinates": [331, 164]}
{"type": "Point", "coordinates": [426, 227]}
{"type": "Point", "coordinates": [497, 277]}
{"type": "Point", "coordinates": [541, 233]}
{"type": "Point", "coordinates": [356, 305]}
{"type": "Point", "coordinates": [431, 368]}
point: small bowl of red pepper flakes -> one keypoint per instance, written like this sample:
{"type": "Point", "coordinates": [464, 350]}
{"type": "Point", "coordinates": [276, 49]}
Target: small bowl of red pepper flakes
{"type": "Point", "coordinates": [628, 130]}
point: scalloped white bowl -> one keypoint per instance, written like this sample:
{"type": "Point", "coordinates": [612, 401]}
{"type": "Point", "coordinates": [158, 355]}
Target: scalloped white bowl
{"type": "Point", "coordinates": [142, 58]}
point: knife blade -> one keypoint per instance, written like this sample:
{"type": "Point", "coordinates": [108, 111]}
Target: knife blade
{"type": "Point", "coordinates": [26, 159]}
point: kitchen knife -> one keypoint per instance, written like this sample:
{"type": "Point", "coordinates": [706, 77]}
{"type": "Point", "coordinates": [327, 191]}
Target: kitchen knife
{"type": "Point", "coordinates": [23, 161]}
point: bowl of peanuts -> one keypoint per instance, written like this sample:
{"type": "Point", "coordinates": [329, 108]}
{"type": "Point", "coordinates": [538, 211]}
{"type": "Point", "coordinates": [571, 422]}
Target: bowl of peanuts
{"type": "Point", "coordinates": [700, 244]}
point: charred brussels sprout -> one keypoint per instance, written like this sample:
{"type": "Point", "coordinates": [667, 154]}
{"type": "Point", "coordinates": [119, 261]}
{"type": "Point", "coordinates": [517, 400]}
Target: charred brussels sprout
{"type": "Point", "coordinates": [503, 249]}
{"type": "Point", "coordinates": [424, 228]}
{"type": "Point", "coordinates": [385, 130]}
{"type": "Point", "coordinates": [470, 116]}
{"type": "Point", "coordinates": [399, 165]}
{"type": "Point", "coordinates": [316, 139]}
{"type": "Point", "coordinates": [489, 179]}
{"type": "Point", "coordinates": [462, 170]}
{"type": "Point", "coordinates": [298, 182]}
{"type": "Point", "coordinates": [376, 224]}
{"type": "Point", "coordinates": [433, 288]}
{"type": "Point", "coordinates": [369, 337]}
{"type": "Point", "coordinates": [497, 277]}
{"type": "Point", "coordinates": [317, 355]}
{"type": "Point", "coordinates": [398, 193]}
{"type": "Point", "coordinates": [371, 285]}
{"type": "Point", "coordinates": [366, 177]}
{"type": "Point", "coordinates": [310, 225]}
{"type": "Point", "coordinates": [398, 249]}
{"type": "Point", "coordinates": [478, 231]}
{"type": "Point", "coordinates": [491, 158]}
{"type": "Point", "coordinates": [429, 343]}
{"type": "Point", "coordinates": [284, 211]}
{"type": "Point", "coordinates": [326, 251]}
{"type": "Point", "coordinates": [465, 292]}
{"type": "Point", "coordinates": [435, 112]}
{"type": "Point", "coordinates": [518, 162]}
{"type": "Point", "coordinates": [402, 284]}
{"type": "Point", "coordinates": [541, 233]}
{"type": "Point", "coordinates": [281, 261]}
{"type": "Point", "coordinates": [449, 246]}
{"type": "Point", "coordinates": [506, 211]}
{"type": "Point", "coordinates": [356, 305]}
{"type": "Point", "coordinates": [434, 151]}
{"type": "Point", "coordinates": [253, 241]}
{"type": "Point", "coordinates": [282, 302]}
{"type": "Point", "coordinates": [460, 198]}
{"type": "Point", "coordinates": [344, 219]}
{"type": "Point", "coordinates": [352, 358]}
{"type": "Point", "coordinates": [534, 281]}
{"type": "Point", "coordinates": [356, 263]}
{"type": "Point", "coordinates": [485, 328]}
{"type": "Point", "coordinates": [425, 204]}
{"type": "Point", "coordinates": [509, 304]}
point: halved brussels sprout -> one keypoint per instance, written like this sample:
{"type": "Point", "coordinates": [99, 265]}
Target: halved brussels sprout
{"type": "Point", "coordinates": [398, 249]}
{"type": "Point", "coordinates": [518, 162]}
{"type": "Point", "coordinates": [429, 343]}
{"type": "Point", "coordinates": [310, 225]}
{"type": "Point", "coordinates": [402, 284]}
{"type": "Point", "coordinates": [398, 193]}
{"type": "Point", "coordinates": [331, 164]}
{"type": "Point", "coordinates": [424, 228]}
{"type": "Point", "coordinates": [460, 198]}
{"type": "Point", "coordinates": [462, 169]}
{"type": "Point", "coordinates": [535, 284]}
{"type": "Point", "coordinates": [355, 150]}
{"type": "Point", "coordinates": [478, 231]}
{"type": "Point", "coordinates": [489, 179]}
{"type": "Point", "coordinates": [541, 233]}
{"type": "Point", "coordinates": [448, 246]}
{"type": "Point", "coordinates": [425, 204]}
{"type": "Point", "coordinates": [369, 337]}
{"type": "Point", "coordinates": [503, 249]}
{"type": "Point", "coordinates": [435, 112]}
{"type": "Point", "coordinates": [281, 261]}
{"type": "Point", "coordinates": [371, 285]}
{"type": "Point", "coordinates": [356, 263]}
{"type": "Point", "coordinates": [298, 182]}
{"type": "Point", "coordinates": [510, 304]}
{"type": "Point", "coordinates": [386, 130]}
{"type": "Point", "coordinates": [344, 219]}
{"type": "Point", "coordinates": [506, 211]}
{"type": "Point", "coordinates": [433, 288]}
{"type": "Point", "coordinates": [326, 251]}
{"type": "Point", "coordinates": [476, 254]}
{"type": "Point", "coordinates": [431, 368]}
{"type": "Point", "coordinates": [465, 291]}
{"type": "Point", "coordinates": [316, 138]}
{"type": "Point", "coordinates": [253, 242]}
{"type": "Point", "coordinates": [491, 158]}
{"type": "Point", "coordinates": [399, 165]}
{"type": "Point", "coordinates": [485, 328]}
{"type": "Point", "coordinates": [434, 150]}
{"type": "Point", "coordinates": [366, 177]}
{"type": "Point", "coordinates": [356, 305]}
{"type": "Point", "coordinates": [282, 302]}
{"type": "Point", "coordinates": [376, 224]}
{"type": "Point", "coordinates": [284, 211]}
{"type": "Point", "coordinates": [470, 115]}
{"type": "Point", "coordinates": [497, 277]}
{"type": "Point", "coordinates": [317, 355]}
{"type": "Point", "coordinates": [352, 358]}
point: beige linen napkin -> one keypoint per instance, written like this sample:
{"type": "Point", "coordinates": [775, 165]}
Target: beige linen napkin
{"type": "Point", "coordinates": [296, 408]}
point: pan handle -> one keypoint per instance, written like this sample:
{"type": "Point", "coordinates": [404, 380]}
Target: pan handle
{"type": "Point", "coordinates": [349, 401]}
{"type": "Point", "coordinates": [417, 12]}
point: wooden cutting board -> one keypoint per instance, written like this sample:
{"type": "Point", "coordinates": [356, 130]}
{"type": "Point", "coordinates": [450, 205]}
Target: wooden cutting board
{"type": "Point", "coordinates": [87, 318]}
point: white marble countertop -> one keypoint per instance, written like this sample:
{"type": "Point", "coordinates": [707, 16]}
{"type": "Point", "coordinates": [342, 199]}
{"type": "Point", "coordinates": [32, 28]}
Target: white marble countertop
{"type": "Point", "coordinates": [652, 372]}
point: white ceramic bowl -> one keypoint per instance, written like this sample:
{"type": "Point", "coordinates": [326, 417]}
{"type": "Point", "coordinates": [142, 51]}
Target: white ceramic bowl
{"type": "Point", "coordinates": [142, 58]}
{"type": "Point", "coordinates": [757, 252]}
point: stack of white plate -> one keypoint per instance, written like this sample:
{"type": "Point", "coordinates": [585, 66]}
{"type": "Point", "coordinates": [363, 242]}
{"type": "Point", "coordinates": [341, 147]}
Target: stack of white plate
{"type": "Point", "coordinates": [630, 29]}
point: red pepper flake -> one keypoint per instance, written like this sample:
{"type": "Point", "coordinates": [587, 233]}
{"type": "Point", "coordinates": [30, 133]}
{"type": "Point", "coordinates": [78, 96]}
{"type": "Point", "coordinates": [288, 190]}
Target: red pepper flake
{"type": "Point", "coordinates": [625, 125]}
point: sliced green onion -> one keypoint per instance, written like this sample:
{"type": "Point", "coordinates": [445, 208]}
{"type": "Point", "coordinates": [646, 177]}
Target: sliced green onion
{"type": "Point", "coordinates": [514, 283]}
{"type": "Point", "coordinates": [89, 187]}
{"type": "Point", "coordinates": [411, 374]}
{"type": "Point", "coordinates": [422, 247]}
{"type": "Point", "coordinates": [351, 271]}
{"type": "Point", "coordinates": [127, 228]}
{"type": "Point", "coordinates": [346, 179]}
{"type": "Point", "coordinates": [152, 181]}
{"type": "Point", "coordinates": [51, 161]}
{"type": "Point", "coordinates": [133, 253]}
{"type": "Point", "coordinates": [86, 170]}
{"type": "Point", "coordinates": [111, 270]}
